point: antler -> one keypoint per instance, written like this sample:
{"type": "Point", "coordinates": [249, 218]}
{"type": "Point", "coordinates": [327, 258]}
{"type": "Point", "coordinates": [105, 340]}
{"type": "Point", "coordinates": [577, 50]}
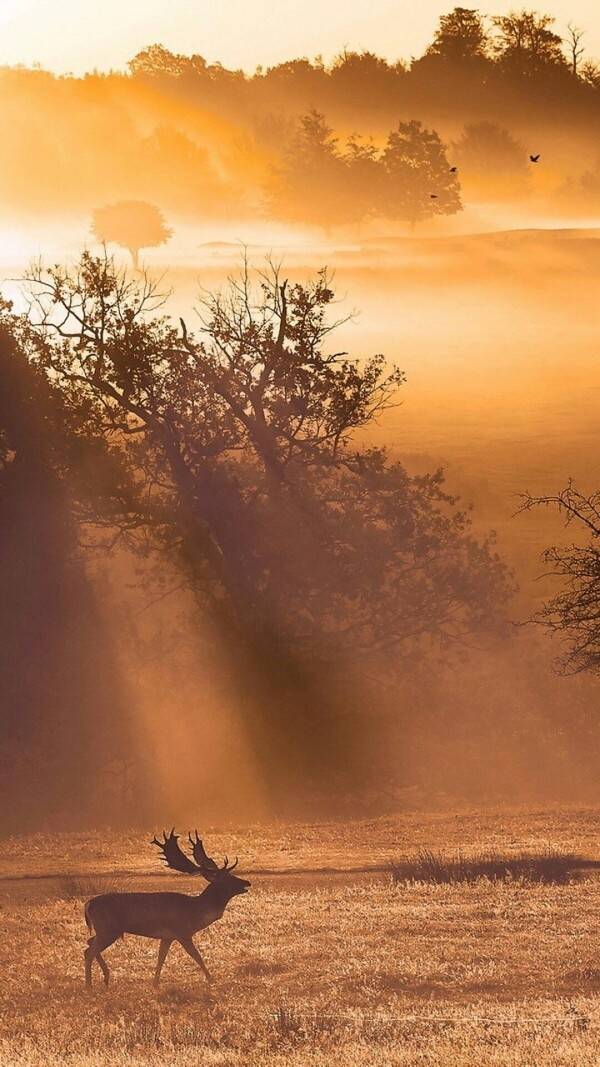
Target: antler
{"type": "Point", "coordinates": [178, 861]}
{"type": "Point", "coordinates": [204, 861]}
{"type": "Point", "coordinates": [173, 856]}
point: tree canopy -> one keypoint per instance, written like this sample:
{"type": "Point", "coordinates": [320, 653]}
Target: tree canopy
{"type": "Point", "coordinates": [527, 45]}
{"type": "Point", "coordinates": [418, 179]}
{"type": "Point", "coordinates": [235, 450]}
{"type": "Point", "coordinates": [133, 224]}
{"type": "Point", "coordinates": [461, 36]}
{"type": "Point", "coordinates": [409, 179]}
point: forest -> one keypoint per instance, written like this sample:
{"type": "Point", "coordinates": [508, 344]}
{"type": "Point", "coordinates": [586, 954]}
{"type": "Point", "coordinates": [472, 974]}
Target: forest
{"type": "Point", "coordinates": [319, 144]}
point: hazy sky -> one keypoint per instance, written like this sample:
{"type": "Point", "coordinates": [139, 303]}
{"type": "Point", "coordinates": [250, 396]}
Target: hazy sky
{"type": "Point", "coordinates": [78, 35]}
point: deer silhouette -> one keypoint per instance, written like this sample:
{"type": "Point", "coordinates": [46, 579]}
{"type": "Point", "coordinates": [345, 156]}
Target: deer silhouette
{"type": "Point", "coordinates": [167, 917]}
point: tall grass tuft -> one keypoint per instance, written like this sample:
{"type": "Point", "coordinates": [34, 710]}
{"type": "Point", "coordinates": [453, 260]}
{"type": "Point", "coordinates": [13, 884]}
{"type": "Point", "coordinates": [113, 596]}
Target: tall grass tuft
{"type": "Point", "coordinates": [550, 867]}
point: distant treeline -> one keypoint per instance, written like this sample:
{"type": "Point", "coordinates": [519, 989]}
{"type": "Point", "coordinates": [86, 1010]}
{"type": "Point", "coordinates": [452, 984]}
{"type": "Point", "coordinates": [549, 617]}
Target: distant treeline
{"type": "Point", "coordinates": [210, 142]}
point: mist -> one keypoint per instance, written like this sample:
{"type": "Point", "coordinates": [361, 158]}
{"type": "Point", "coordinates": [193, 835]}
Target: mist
{"type": "Point", "coordinates": [482, 293]}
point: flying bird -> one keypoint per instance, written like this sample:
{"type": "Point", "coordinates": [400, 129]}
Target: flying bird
{"type": "Point", "coordinates": [433, 196]}
{"type": "Point", "coordinates": [453, 170]}
{"type": "Point", "coordinates": [535, 159]}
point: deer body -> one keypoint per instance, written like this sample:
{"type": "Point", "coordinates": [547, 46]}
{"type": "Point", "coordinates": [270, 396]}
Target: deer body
{"type": "Point", "coordinates": [167, 917]}
{"type": "Point", "coordinates": [154, 914]}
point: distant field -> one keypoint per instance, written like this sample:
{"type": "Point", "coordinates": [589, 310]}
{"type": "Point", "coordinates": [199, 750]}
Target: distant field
{"type": "Point", "coordinates": [310, 846]}
{"type": "Point", "coordinates": [312, 970]}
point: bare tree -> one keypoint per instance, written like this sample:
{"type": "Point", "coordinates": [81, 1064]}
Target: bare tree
{"type": "Point", "coordinates": [574, 613]}
{"type": "Point", "coordinates": [574, 46]}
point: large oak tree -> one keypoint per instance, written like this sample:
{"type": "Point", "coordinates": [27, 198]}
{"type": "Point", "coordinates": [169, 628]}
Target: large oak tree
{"type": "Point", "coordinates": [238, 449]}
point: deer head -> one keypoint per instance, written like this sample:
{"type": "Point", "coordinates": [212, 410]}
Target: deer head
{"type": "Point", "coordinates": [177, 860]}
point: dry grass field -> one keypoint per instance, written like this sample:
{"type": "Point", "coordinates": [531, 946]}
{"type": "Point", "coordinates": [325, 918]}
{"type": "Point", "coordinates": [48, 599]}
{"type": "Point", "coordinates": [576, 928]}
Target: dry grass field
{"type": "Point", "coordinates": [312, 968]}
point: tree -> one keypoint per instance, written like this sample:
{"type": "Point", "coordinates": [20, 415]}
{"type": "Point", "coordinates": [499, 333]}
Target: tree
{"type": "Point", "coordinates": [310, 185]}
{"type": "Point", "coordinates": [322, 182]}
{"type": "Point", "coordinates": [133, 224]}
{"type": "Point", "coordinates": [297, 80]}
{"type": "Point", "coordinates": [58, 724]}
{"type": "Point", "coordinates": [491, 161]}
{"type": "Point", "coordinates": [316, 556]}
{"type": "Point", "coordinates": [417, 183]}
{"type": "Point", "coordinates": [590, 73]}
{"type": "Point", "coordinates": [526, 45]}
{"type": "Point", "coordinates": [365, 79]}
{"type": "Point", "coordinates": [460, 37]}
{"type": "Point", "coordinates": [363, 176]}
{"type": "Point", "coordinates": [575, 48]}
{"type": "Point", "coordinates": [156, 61]}
{"type": "Point", "coordinates": [574, 613]}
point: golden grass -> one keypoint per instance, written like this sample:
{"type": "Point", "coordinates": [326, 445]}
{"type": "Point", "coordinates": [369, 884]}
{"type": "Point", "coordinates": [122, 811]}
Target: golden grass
{"type": "Point", "coordinates": [327, 844]}
{"type": "Point", "coordinates": [349, 973]}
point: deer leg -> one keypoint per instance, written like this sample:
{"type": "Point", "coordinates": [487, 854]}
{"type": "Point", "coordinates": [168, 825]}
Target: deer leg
{"type": "Point", "coordinates": [190, 948]}
{"type": "Point", "coordinates": [103, 967]}
{"type": "Point", "coordinates": [88, 956]}
{"type": "Point", "coordinates": [163, 948]}
{"type": "Point", "coordinates": [95, 946]}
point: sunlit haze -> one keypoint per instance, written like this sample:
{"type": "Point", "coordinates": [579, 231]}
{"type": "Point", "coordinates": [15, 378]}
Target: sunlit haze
{"type": "Point", "coordinates": [299, 533]}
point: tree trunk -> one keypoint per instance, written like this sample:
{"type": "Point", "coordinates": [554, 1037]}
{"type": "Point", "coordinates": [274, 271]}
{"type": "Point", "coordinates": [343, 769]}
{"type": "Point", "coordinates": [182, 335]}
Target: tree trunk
{"type": "Point", "coordinates": [58, 724]}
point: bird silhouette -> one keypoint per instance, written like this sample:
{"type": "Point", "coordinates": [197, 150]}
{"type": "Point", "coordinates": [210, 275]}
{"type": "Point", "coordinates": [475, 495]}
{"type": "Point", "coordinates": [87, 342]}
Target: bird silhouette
{"type": "Point", "coordinates": [453, 170]}
{"type": "Point", "coordinates": [433, 196]}
{"type": "Point", "coordinates": [535, 159]}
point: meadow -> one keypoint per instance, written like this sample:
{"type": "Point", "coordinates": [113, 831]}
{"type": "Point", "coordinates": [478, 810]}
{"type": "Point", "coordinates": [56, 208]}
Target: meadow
{"type": "Point", "coordinates": [325, 961]}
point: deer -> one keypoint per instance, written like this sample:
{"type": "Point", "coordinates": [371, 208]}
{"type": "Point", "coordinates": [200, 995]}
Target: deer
{"type": "Point", "coordinates": [167, 917]}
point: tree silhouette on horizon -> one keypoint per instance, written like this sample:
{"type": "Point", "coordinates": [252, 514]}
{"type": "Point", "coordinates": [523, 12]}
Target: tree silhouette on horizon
{"type": "Point", "coordinates": [133, 224]}
{"type": "Point", "coordinates": [461, 36]}
{"type": "Point", "coordinates": [417, 183]}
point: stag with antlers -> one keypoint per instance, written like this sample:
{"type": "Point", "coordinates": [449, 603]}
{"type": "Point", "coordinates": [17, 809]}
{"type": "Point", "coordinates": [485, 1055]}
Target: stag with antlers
{"type": "Point", "coordinates": [167, 917]}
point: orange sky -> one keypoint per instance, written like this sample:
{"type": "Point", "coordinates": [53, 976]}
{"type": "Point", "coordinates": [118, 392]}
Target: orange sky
{"type": "Point", "coordinates": [78, 35]}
